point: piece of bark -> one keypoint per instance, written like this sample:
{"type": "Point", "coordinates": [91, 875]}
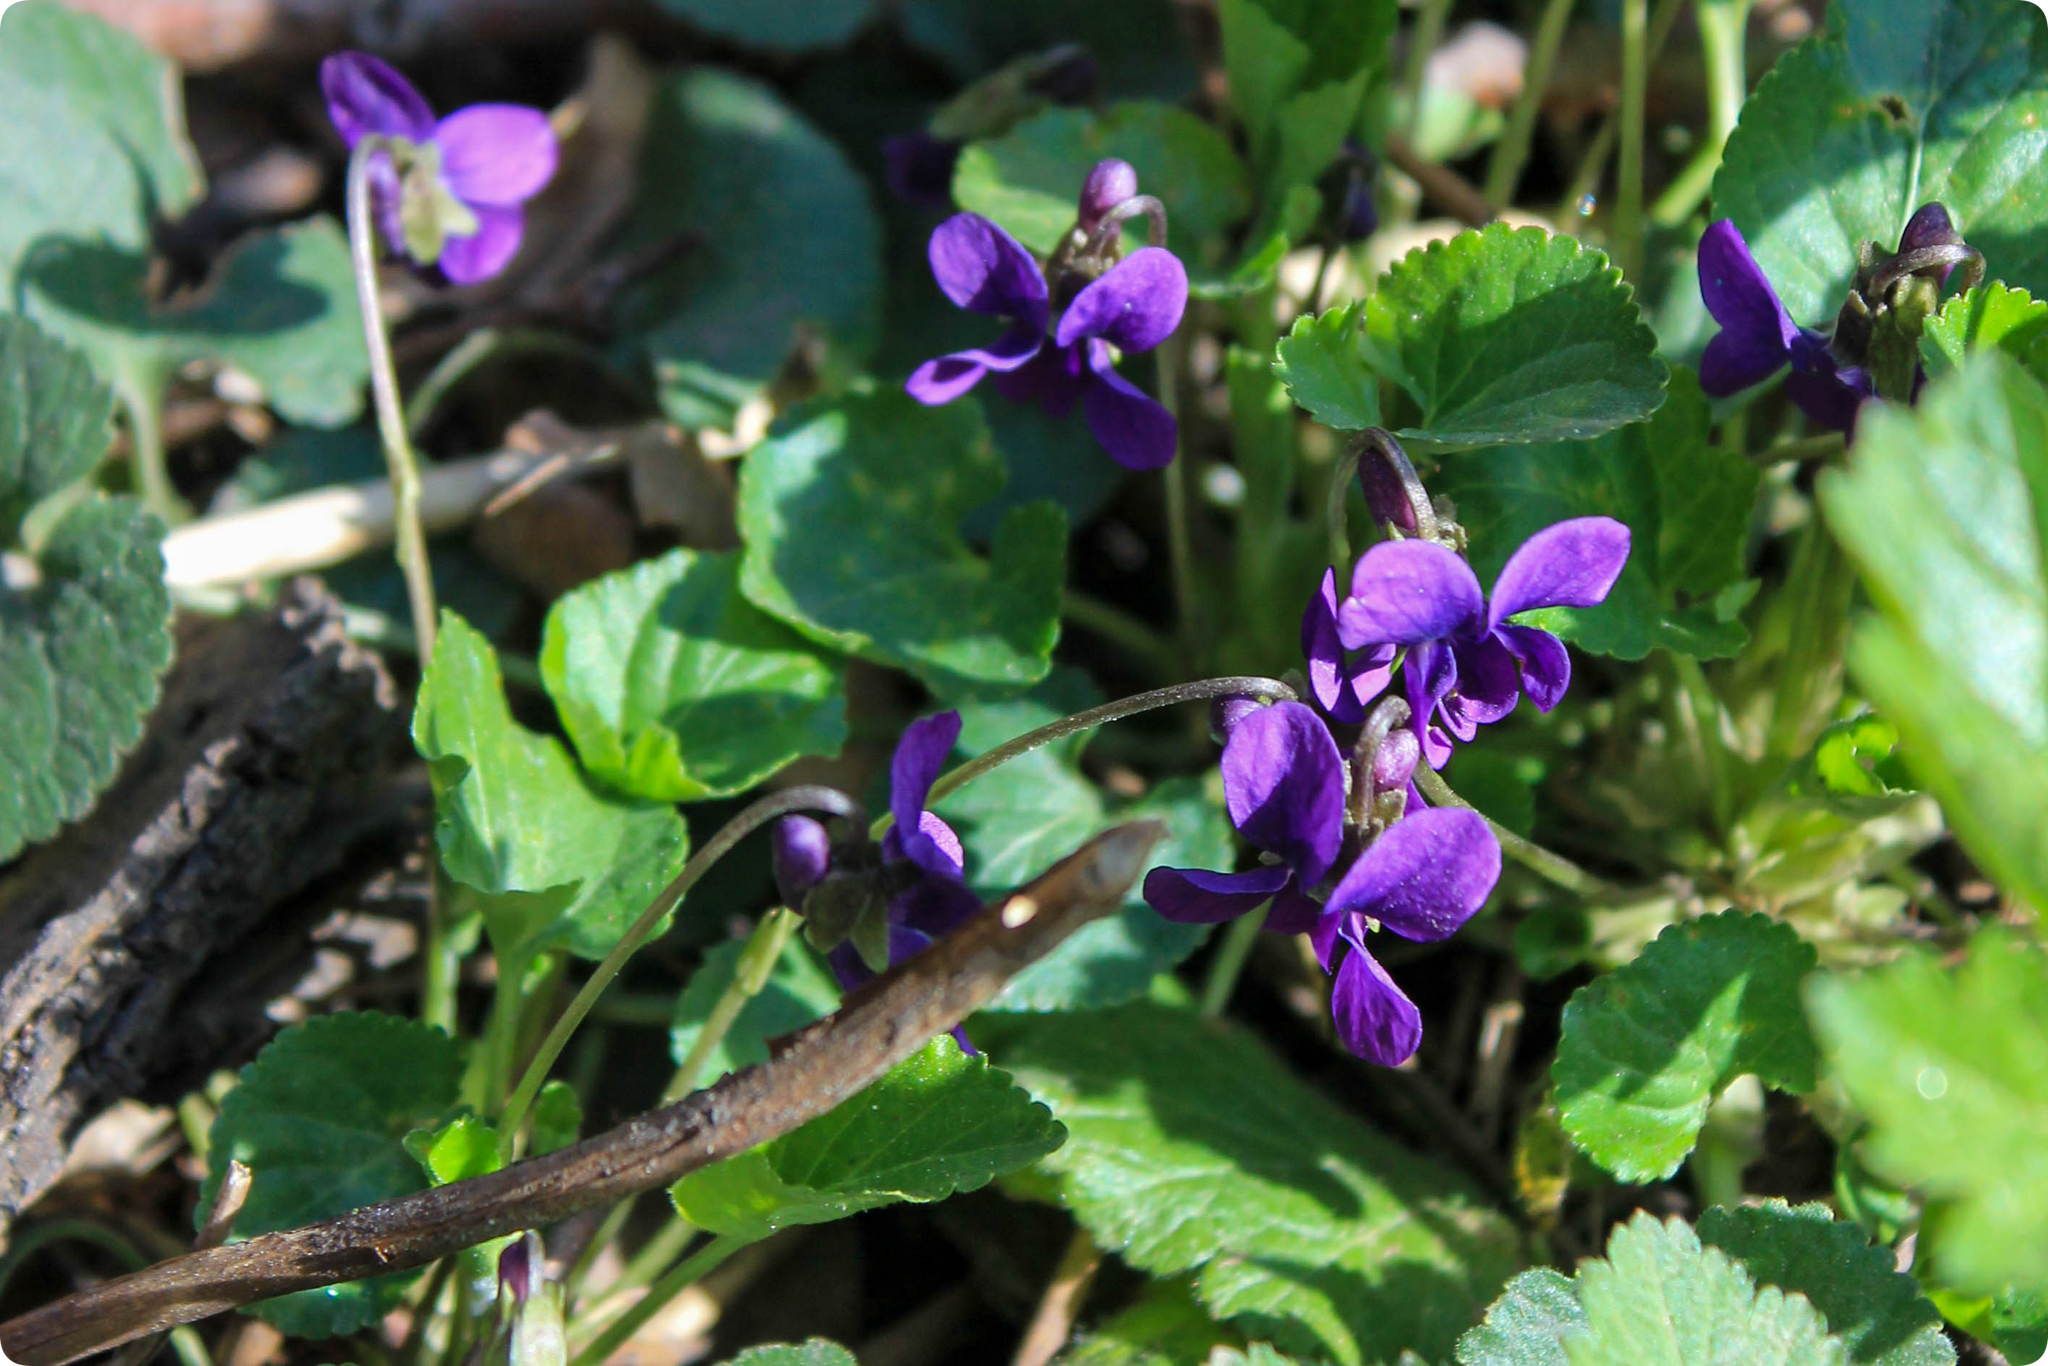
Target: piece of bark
{"type": "Point", "coordinates": [253, 782]}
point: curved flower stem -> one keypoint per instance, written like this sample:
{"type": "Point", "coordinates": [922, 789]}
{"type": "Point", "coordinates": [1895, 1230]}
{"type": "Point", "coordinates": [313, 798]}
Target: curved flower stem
{"type": "Point", "coordinates": [1511, 153]}
{"type": "Point", "coordinates": [687, 1273]}
{"type": "Point", "coordinates": [809, 796]}
{"type": "Point", "coordinates": [1228, 964]}
{"type": "Point", "coordinates": [1628, 200]}
{"type": "Point", "coordinates": [1201, 690]}
{"type": "Point", "coordinates": [757, 960]}
{"type": "Point", "coordinates": [1721, 24]}
{"type": "Point", "coordinates": [1554, 867]}
{"type": "Point", "coordinates": [391, 425]}
{"type": "Point", "coordinates": [1335, 505]}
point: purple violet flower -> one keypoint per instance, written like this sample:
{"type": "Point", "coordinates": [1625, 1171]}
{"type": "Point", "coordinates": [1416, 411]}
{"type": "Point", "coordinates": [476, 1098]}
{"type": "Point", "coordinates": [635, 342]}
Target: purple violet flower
{"type": "Point", "coordinates": [1132, 306]}
{"type": "Point", "coordinates": [1758, 337]}
{"type": "Point", "coordinates": [1343, 681]}
{"type": "Point", "coordinates": [1467, 663]}
{"type": "Point", "coordinates": [445, 193]}
{"type": "Point", "coordinates": [922, 873]}
{"type": "Point", "coordinates": [1422, 877]}
{"type": "Point", "coordinates": [918, 168]}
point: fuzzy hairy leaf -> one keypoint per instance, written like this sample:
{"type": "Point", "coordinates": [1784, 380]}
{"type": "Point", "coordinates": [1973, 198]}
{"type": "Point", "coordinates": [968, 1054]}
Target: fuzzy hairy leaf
{"type": "Point", "coordinates": [1646, 1047]}
{"type": "Point", "coordinates": [1527, 1325]}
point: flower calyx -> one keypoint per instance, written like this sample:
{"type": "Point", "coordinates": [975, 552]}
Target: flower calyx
{"type": "Point", "coordinates": [1396, 498]}
{"type": "Point", "coordinates": [1894, 295]}
{"type": "Point", "coordinates": [1109, 199]}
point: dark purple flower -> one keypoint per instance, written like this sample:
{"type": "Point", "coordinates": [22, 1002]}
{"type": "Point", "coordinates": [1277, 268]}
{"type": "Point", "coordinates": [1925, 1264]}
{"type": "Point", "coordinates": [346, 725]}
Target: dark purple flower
{"type": "Point", "coordinates": [922, 872]}
{"type": "Point", "coordinates": [1758, 338]}
{"type": "Point", "coordinates": [1342, 680]}
{"type": "Point", "coordinates": [1132, 306]}
{"type": "Point", "coordinates": [446, 192]}
{"type": "Point", "coordinates": [1422, 877]}
{"type": "Point", "coordinates": [1467, 663]}
{"type": "Point", "coordinates": [918, 168]}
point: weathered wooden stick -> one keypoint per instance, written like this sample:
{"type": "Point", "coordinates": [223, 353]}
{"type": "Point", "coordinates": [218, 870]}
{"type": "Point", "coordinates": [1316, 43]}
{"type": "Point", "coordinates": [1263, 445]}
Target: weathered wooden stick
{"type": "Point", "coordinates": [811, 1071]}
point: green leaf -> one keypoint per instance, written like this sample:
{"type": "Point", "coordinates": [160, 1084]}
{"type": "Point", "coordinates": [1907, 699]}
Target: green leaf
{"type": "Point", "coordinates": [1855, 766]}
{"type": "Point", "coordinates": [1527, 1325]}
{"type": "Point", "coordinates": [1660, 1299]}
{"type": "Point", "coordinates": [779, 25]}
{"type": "Point", "coordinates": [320, 1118]}
{"type": "Point", "coordinates": [95, 140]}
{"type": "Point", "coordinates": [672, 686]}
{"type": "Point", "coordinates": [1017, 820]}
{"type": "Point", "coordinates": [1947, 1068]}
{"type": "Point", "coordinates": [1943, 512]}
{"type": "Point", "coordinates": [1193, 1150]}
{"type": "Point", "coordinates": [1646, 1047]}
{"type": "Point", "coordinates": [1028, 179]}
{"type": "Point", "coordinates": [455, 1151]}
{"type": "Point", "coordinates": [1165, 1326]}
{"type": "Point", "coordinates": [1990, 315]}
{"type": "Point", "coordinates": [940, 1122]}
{"type": "Point", "coordinates": [1320, 364]}
{"type": "Point", "coordinates": [849, 511]}
{"type": "Point", "coordinates": [1298, 72]}
{"type": "Point", "coordinates": [281, 308]}
{"type": "Point", "coordinates": [1686, 503]}
{"type": "Point", "coordinates": [1899, 103]}
{"type": "Point", "coordinates": [750, 188]}
{"type": "Point", "coordinates": [812, 1352]}
{"type": "Point", "coordinates": [83, 644]}
{"type": "Point", "coordinates": [1140, 45]}
{"type": "Point", "coordinates": [799, 990]}
{"type": "Point", "coordinates": [1511, 334]}
{"type": "Point", "coordinates": [514, 814]}
{"type": "Point", "coordinates": [557, 1119]}
{"type": "Point", "coordinates": [1877, 1311]}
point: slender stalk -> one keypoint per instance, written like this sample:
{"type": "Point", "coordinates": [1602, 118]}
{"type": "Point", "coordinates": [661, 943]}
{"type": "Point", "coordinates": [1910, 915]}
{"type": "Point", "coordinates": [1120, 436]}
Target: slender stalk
{"type": "Point", "coordinates": [506, 1000]}
{"type": "Point", "coordinates": [1553, 867]}
{"type": "Point", "coordinates": [441, 966]}
{"type": "Point", "coordinates": [1628, 201]}
{"type": "Point", "coordinates": [143, 396]}
{"type": "Point", "coordinates": [757, 960]}
{"type": "Point", "coordinates": [1061, 1305]}
{"type": "Point", "coordinates": [806, 796]}
{"type": "Point", "coordinates": [1818, 588]}
{"type": "Point", "coordinates": [1229, 962]}
{"type": "Point", "coordinates": [646, 1265]}
{"type": "Point", "coordinates": [1202, 690]}
{"type": "Point", "coordinates": [1594, 164]}
{"type": "Point", "coordinates": [1335, 509]}
{"type": "Point", "coordinates": [1423, 37]}
{"type": "Point", "coordinates": [391, 425]}
{"type": "Point", "coordinates": [1511, 153]}
{"type": "Point", "coordinates": [686, 1274]}
{"type": "Point", "coordinates": [1179, 535]}
{"type": "Point", "coordinates": [1120, 627]}
{"type": "Point", "coordinates": [1722, 25]}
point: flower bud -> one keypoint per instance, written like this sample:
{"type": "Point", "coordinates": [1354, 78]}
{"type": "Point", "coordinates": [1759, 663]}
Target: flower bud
{"type": "Point", "coordinates": [1386, 494]}
{"type": "Point", "coordinates": [1108, 185]}
{"type": "Point", "coordinates": [531, 1331]}
{"type": "Point", "coordinates": [1394, 761]}
{"type": "Point", "coordinates": [802, 856]}
{"type": "Point", "coordinates": [1226, 712]}
{"type": "Point", "coordinates": [1930, 226]}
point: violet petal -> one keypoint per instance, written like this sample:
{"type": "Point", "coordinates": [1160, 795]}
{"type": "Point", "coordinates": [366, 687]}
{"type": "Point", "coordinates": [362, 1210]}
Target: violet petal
{"type": "Point", "coordinates": [1375, 1019]}
{"type": "Point", "coordinates": [1755, 328]}
{"type": "Point", "coordinates": [1136, 430]}
{"type": "Point", "coordinates": [1546, 666]}
{"type": "Point", "coordinates": [485, 252]}
{"type": "Point", "coordinates": [1293, 911]}
{"type": "Point", "coordinates": [1429, 674]}
{"type": "Point", "coordinates": [1045, 380]}
{"type": "Point", "coordinates": [802, 854]}
{"type": "Point", "coordinates": [984, 269]}
{"type": "Point", "coordinates": [947, 377]}
{"type": "Point", "coordinates": [1406, 592]}
{"type": "Point", "coordinates": [1195, 896]}
{"type": "Point", "coordinates": [1425, 875]}
{"type": "Point", "coordinates": [496, 155]}
{"type": "Point", "coordinates": [1489, 685]}
{"type": "Point", "coordinates": [1567, 564]}
{"type": "Point", "coordinates": [367, 95]}
{"type": "Point", "coordinates": [1135, 305]}
{"type": "Point", "coordinates": [1283, 784]}
{"type": "Point", "coordinates": [919, 756]}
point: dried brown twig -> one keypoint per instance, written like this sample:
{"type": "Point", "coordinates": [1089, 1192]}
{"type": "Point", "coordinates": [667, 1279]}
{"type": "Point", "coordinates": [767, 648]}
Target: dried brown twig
{"type": "Point", "coordinates": [810, 1072]}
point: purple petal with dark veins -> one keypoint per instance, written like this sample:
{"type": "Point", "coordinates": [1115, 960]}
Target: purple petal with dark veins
{"type": "Point", "coordinates": [485, 252]}
{"type": "Point", "coordinates": [1375, 1019]}
{"type": "Point", "coordinates": [1546, 666]}
{"type": "Point", "coordinates": [1135, 305]}
{"type": "Point", "coordinates": [366, 95]}
{"type": "Point", "coordinates": [1194, 896]}
{"type": "Point", "coordinates": [984, 269]}
{"type": "Point", "coordinates": [1405, 592]}
{"type": "Point", "coordinates": [1425, 875]}
{"type": "Point", "coordinates": [1567, 564]}
{"type": "Point", "coordinates": [946, 378]}
{"type": "Point", "coordinates": [1756, 331]}
{"type": "Point", "coordinates": [1046, 380]}
{"type": "Point", "coordinates": [1489, 685]}
{"type": "Point", "coordinates": [1324, 652]}
{"type": "Point", "coordinates": [1136, 430]}
{"type": "Point", "coordinates": [496, 156]}
{"type": "Point", "coordinates": [1283, 784]}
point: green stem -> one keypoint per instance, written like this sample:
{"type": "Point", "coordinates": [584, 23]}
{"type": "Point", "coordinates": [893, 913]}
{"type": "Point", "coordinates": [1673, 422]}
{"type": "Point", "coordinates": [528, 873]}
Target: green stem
{"type": "Point", "coordinates": [1118, 626]}
{"type": "Point", "coordinates": [807, 796]}
{"type": "Point", "coordinates": [398, 453]}
{"type": "Point", "coordinates": [1552, 867]}
{"type": "Point", "coordinates": [1179, 535]}
{"type": "Point", "coordinates": [1202, 690]}
{"type": "Point", "coordinates": [1593, 164]}
{"type": "Point", "coordinates": [1336, 509]}
{"type": "Point", "coordinates": [1628, 202]}
{"type": "Point", "coordinates": [1428, 30]}
{"type": "Point", "coordinates": [1818, 587]}
{"type": "Point", "coordinates": [686, 1274]}
{"type": "Point", "coordinates": [1721, 24]}
{"type": "Point", "coordinates": [757, 960]}
{"type": "Point", "coordinates": [1511, 153]}
{"type": "Point", "coordinates": [441, 965]}
{"type": "Point", "coordinates": [506, 1000]}
{"type": "Point", "coordinates": [1228, 964]}
{"type": "Point", "coordinates": [143, 396]}
{"type": "Point", "coordinates": [654, 1257]}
